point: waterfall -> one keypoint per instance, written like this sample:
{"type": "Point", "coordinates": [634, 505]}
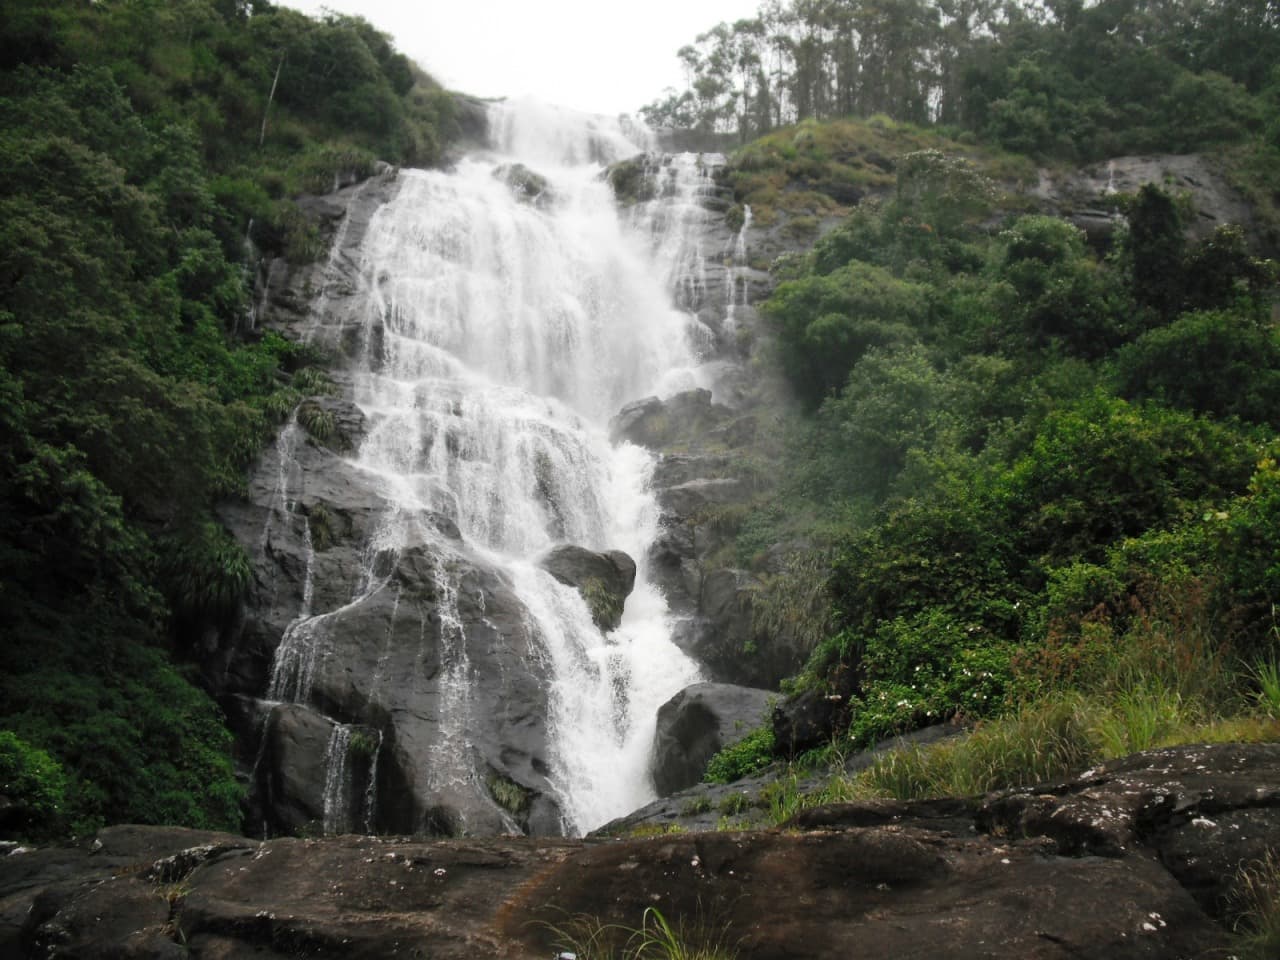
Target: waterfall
{"type": "Point", "coordinates": [510, 311]}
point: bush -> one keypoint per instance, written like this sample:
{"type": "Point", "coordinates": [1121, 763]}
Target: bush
{"type": "Point", "coordinates": [749, 755]}
{"type": "Point", "coordinates": [826, 323]}
{"type": "Point", "coordinates": [1222, 363]}
{"type": "Point", "coordinates": [33, 787]}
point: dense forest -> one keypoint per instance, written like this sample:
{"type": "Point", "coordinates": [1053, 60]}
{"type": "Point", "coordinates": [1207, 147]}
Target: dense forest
{"type": "Point", "coordinates": [147, 148]}
{"type": "Point", "coordinates": [1046, 77]}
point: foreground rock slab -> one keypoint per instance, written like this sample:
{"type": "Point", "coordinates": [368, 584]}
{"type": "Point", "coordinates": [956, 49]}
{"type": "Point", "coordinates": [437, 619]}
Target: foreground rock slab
{"type": "Point", "coordinates": [1001, 876]}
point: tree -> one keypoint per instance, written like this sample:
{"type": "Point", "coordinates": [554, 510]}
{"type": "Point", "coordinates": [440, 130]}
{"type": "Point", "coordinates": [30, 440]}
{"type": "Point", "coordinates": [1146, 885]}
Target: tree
{"type": "Point", "coordinates": [826, 323]}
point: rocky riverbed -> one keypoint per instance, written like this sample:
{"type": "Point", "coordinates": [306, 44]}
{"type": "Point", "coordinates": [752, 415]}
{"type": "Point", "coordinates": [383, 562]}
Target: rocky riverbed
{"type": "Point", "coordinates": [1136, 858]}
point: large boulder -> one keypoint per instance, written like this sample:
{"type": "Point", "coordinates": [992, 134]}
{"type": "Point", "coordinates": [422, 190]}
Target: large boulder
{"type": "Point", "coordinates": [423, 645]}
{"type": "Point", "coordinates": [605, 580]}
{"type": "Point", "coordinates": [697, 723]}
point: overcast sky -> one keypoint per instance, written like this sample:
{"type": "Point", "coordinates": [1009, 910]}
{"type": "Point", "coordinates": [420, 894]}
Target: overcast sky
{"type": "Point", "coordinates": [596, 55]}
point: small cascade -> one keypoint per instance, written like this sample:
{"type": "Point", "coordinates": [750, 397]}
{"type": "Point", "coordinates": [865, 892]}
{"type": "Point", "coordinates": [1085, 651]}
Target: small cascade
{"type": "Point", "coordinates": [337, 781]}
{"type": "Point", "coordinates": [738, 292]}
{"type": "Point", "coordinates": [450, 770]}
{"type": "Point", "coordinates": [370, 805]}
{"type": "Point", "coordinates": [251, 259]}
{"type": "Point", "coordinates": [1110, 188]}
{"type": "Point", "coordinates": [350, 779]}
{"type": "Point", "coordinates": [676, 220]}
{"type": "Point", "coordinates": [320, 305]}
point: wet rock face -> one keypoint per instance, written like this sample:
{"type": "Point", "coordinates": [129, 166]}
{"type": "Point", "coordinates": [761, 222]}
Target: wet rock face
{"type": "Point", "coordinates": [698, 722]}
{"type": "Point", "coordinates": [1083, 196]}
{"type": "Point", "coordinates": [997, 876]}
{"type": "Point", "coordinates": [655, 423]}
{"type": "Point", "coordinates": [420, 692]}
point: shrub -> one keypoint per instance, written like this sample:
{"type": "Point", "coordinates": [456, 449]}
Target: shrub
{"type": "Point", "coordinates": [749, 755]}
{"type": "Point", "coordinates": [34, 786]}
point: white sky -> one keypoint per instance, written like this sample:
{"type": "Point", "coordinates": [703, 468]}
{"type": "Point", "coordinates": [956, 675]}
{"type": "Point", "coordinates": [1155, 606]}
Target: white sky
{"type": "Point", "coordinates": [602, 56]}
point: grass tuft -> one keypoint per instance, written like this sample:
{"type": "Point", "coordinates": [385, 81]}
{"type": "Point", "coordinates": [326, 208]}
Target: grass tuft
{"type": "Point", "coordinates": [656, 938]}
{"type": "Point", "coordinates": [1256, 905]}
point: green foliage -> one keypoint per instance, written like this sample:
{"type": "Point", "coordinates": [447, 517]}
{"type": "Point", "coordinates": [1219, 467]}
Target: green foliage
{"type": "Point", "coordinates": [1139, 719]}
{"type": "Point", "coordinates": [752, 753]}
{"type": "Point", "coordinates": [927, 669]}
{"type": "Point", "coordinates": [510, 795]}
{"type": "Point", "coordinates": [317, 421]}
{"type": "Point", "coordinates": [1222, 363]}
{"type": "Point", "coordinates": [605, 604]}
{"type": "Point", "coordinates": [894, 402]}
{"type": "Point", "coordinates": [1058, 296]}
{"type": "Point", "coordinates": [632, 181]}
{"type": "Point", "coordinates": [1001, 518]}
{"type": "Point", "coordinates": [793, 603]}
{"type": "Point", "coordinates": [826, 323]}
{"type": "Point", "coordinates": [1074, 81]}
{"type": "Point", "coordinates": [1153, 250]}
{"type": "Point", "coordinates": [211, 574]}
{"type": "Point", "coordinates": [33, 785]}
{"type": "Point", "coordinates": [138, 742]}
{"type": "Point", "coordinates": [1102, 469]}
{"type": "Point", "coordinates": [1266, 674]}
{"type": "Point", "coordinates": [1037, 744]}
{"type": "Point", "coordinates": [733, 804]}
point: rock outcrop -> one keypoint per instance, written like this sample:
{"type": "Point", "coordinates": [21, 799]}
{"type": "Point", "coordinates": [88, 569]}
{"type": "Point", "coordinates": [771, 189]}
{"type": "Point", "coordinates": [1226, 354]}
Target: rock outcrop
{"type": "Point", "coordinates": [1134, 859]}
{"type": "Point", "coordinates": [697, 723]}
{"type": "Point", "coordinates": [1081, 196]}
{"type": "Point", "coordinates": [705, 487]}
{"type": "Point", "coordinates": [605, 580]}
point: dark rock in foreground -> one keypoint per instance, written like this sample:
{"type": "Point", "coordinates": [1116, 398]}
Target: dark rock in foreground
{"type": "Point", "coordinates": [1133, 859]}
{"type": "Point", "coordinates": [698, 722]}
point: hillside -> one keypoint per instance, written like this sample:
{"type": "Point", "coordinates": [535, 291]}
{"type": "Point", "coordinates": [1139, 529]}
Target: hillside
{"type": "Point", "coordinates": [151, 155]}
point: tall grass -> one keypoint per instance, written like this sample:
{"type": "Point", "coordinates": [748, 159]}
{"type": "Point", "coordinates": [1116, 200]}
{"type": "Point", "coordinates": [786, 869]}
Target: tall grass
{"type": "Point", "coordinates": [1266, 676]}
{"type": "Point", "coordinates": [1165, 679]}
{"type": "Point", "coordinates": [1042, 741]}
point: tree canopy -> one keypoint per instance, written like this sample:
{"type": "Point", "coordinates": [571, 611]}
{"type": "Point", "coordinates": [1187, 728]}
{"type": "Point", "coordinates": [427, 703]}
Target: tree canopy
{"type": "Point", "coordinates": [1048, 77]}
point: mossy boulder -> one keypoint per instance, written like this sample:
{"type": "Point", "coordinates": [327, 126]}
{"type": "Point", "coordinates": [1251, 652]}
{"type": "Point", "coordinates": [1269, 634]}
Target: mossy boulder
{"type": "Point", "coordinates": [604, 579]}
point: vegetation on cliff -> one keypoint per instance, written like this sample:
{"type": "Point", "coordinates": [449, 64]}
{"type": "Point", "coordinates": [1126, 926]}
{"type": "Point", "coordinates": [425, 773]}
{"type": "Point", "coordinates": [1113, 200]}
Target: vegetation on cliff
{"type": "Point", "coordinates": [1040, 467]}
{"type": "Point", "coordinates": [142, 144]}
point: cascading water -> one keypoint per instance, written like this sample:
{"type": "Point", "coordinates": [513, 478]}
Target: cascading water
{"type": "Point", "coordinates": [510, 312]}
{"type": "Point", "coordinates": [738, 276]}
